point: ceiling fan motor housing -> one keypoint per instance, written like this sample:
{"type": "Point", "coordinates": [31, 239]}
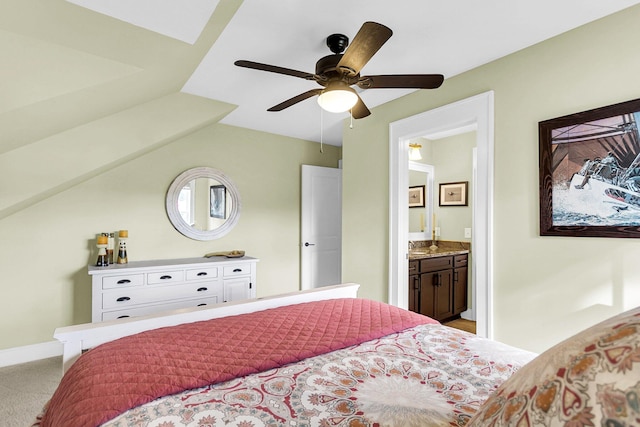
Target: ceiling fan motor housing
{"type": "Point", "coordinates": [337, 43]}
{"type": "Point", "coordinates": [328, 67]}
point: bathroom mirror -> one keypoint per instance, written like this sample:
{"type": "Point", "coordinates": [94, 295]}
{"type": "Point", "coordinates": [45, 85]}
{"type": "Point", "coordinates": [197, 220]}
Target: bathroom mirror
{"type": "Point", "coordinates": [203, 203]}
{"type": "Point", "coordinates": [420, 218]}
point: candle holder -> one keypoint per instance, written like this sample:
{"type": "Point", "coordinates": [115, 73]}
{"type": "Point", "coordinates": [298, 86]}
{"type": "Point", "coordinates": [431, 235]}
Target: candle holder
{"type": "Point", "coordinates": [101, 243]}
{"type": "Point", "coordinates": [123, 235]}
{"type": "Point", "coordinates": [433, 246]}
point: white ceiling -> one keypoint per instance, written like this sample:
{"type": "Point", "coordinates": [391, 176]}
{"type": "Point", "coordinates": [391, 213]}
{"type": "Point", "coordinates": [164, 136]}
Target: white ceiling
{"type": "Point", "coordinates": [430, 36]}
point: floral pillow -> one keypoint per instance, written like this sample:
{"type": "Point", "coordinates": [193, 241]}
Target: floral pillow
{"type": "Point", "coordinates": [590, 379]}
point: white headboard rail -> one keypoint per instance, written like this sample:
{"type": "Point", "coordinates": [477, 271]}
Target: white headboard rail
{"type": "Point", "coordinates": [77, 338]}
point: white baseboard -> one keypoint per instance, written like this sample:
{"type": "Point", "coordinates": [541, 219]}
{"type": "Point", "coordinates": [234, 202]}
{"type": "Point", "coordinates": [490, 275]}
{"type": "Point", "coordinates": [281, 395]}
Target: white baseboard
{"type": "Point", "coordinates": [29, 353]}
{"type": "Point", "coordinates": [469, 314]}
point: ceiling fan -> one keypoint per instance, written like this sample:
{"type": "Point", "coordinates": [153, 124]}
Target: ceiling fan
{"type": "Point", "coordinates": [338, 72]}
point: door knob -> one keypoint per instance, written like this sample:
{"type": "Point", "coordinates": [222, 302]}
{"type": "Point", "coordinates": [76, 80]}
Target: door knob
{"type": "Point", "coordinates": [309, 244]}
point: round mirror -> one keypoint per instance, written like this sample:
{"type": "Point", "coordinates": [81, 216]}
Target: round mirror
{"type": "Point", "coordinates": [203, 203]}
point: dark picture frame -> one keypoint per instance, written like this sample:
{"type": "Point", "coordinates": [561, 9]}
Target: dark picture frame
{"type": "Point", "coordinates": [416, 196]}
{"type": "Point", "coordinates": [589, 178]}
{"type": "Point", "coordinates": [218, 201]}
{"type": "Point", "coordinates": [454, 194]}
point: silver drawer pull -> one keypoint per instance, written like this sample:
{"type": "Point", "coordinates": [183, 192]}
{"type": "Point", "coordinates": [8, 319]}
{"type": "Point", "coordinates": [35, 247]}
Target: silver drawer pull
{"type": "Point", "coordinates": [166, 277]}
{"type": "Point", "coordinates": [123, 299]}
{"type": "Point", "coordinates": [202, 289]}
{"type": "Point", "coordinates": [123, 281]}
{"type": "Point", "coordinates": [237, 270]}
{"type": "Point", "coordinates": [202, 273]}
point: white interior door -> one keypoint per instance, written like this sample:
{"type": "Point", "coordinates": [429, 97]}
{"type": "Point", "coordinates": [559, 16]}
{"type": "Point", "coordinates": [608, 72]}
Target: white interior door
{"type": "Point", "coordinates": [321, 244]}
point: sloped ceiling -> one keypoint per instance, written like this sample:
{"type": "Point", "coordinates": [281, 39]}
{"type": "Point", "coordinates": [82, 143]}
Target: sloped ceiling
{"type": "Point", "coordinates": [99, 56]}
{"type": "Point", "coordinates": [75, 69]}
{"type": "Point", "coordinates": [430, 36]}
{"type": "Point", "coordinates": [81, 92]}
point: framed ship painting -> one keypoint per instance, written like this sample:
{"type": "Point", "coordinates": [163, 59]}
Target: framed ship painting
{"type": "Point", "coordinates": [590, 173]}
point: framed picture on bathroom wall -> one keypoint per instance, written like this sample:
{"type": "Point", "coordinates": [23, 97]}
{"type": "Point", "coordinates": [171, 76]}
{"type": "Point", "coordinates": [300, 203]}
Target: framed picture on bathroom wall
{"type": "Point", "coordinates": [590, 173]}
{"type": "Point", "coordinates": [454, 194]}
{"type": "Point", "coordinates": [416, 196]}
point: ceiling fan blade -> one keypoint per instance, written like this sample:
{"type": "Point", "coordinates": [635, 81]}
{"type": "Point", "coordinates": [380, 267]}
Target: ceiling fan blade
{"type": "Point", "coordinates": [402, 81]}
{"type": "Point", "coordinates": [291, 101]}
{"type": "Point", "coordinates": [274, 69]}
{"type": "Point", "coordinates": [359, 110]}
{"type": "Point", "coordinates": [365, 44]}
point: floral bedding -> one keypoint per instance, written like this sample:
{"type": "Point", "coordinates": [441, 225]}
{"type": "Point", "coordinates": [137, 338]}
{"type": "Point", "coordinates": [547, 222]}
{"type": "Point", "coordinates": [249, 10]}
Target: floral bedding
{"type": "Point", "coordinates": [130, 371]}
{"type": "Point", "coordinates": [427, 375]}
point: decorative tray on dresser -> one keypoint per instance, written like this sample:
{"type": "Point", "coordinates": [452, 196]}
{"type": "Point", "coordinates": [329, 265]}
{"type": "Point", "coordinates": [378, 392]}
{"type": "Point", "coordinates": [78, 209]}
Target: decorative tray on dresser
{"type": "Point", "coordinates": [144, 287]}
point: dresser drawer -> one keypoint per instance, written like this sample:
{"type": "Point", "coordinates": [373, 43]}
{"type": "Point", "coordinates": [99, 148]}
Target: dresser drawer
{"type": "Point", "coordinates": [151, 309]}
{"type": "Point", "coordinates": [122, 281]}
{"type": "Point", "coordinates": [145, 287]}
{"type": "Point", "coordinates": [414, 267]}
{"type": "Point", "coordinates": [436, 263]}
{"type": "Point", "coordinates": [237, 270]}
{"type": "Point", "coordinates": [460, 260]}
{"type": "Point", "coordinates": [137, 296]}
{"type": "Point", "coordinates": [202, 273]}
{"type": "Point", "coordinates": [165, 277]}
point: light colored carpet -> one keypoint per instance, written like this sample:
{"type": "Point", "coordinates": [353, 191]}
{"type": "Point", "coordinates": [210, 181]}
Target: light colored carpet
{"type": "Point", "coordinates": [24, 389]}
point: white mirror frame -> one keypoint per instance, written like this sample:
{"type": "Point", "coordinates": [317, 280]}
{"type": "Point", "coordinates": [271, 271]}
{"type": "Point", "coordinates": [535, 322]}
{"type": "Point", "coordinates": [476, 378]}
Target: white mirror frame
{"type": "Point", "coordinates": [429, 171]}
{"type": "Point", "coordinates": [172, 203]}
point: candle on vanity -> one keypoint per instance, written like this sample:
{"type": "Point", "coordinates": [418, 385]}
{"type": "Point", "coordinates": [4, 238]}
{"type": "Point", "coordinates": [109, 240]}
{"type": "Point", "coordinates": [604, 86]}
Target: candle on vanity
{"type": "Point", "coordinates": [433, 246]}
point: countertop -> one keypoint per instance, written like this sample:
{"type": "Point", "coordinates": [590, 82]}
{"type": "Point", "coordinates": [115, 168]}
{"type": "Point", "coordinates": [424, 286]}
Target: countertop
{"type": "Point", "coordinates": [427, 253]}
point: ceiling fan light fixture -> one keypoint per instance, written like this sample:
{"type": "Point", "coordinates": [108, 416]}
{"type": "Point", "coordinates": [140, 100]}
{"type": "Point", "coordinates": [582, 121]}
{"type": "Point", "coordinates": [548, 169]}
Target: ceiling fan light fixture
{"type": "Point", "coordinates": [338, 97]}
{"type": "Point", "coordinates": [414, 151]}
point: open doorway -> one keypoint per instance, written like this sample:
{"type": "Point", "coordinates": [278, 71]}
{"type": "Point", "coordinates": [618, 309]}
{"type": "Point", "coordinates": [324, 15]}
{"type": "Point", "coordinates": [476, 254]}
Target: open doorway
{"type": "Point", "coordinates": [471, 114]}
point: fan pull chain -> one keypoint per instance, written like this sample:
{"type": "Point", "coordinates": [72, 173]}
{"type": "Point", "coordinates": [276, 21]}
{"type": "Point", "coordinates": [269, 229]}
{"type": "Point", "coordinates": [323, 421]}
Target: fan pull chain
{"type": "Point", "coordinates": [321, 131]}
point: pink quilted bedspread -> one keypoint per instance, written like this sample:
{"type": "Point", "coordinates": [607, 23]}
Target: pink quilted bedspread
{"type": "Point", "coordinates": [134, 370]}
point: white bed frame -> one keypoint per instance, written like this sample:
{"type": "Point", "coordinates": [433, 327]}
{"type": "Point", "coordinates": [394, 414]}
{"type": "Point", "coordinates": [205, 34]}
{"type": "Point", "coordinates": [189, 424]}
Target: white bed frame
{"type": "Point", "coordinates": [78, 338]}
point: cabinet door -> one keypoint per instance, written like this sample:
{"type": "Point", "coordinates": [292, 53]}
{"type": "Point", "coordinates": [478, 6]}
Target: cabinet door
{"type": "Point", "coordinates": [428, 284]}
{"type": "Point", "coordinates": [414, 293]}
{"type": "Point", "coordinates": [414, 286]}
{"type": "Point", "coordinates": [459, 290]}
{"type": "Point", "coordinates": [444, 295]}
{"type": "Point", "coordinates": [237, 289]}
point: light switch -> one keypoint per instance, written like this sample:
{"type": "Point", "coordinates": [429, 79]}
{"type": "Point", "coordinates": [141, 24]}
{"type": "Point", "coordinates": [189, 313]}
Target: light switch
{"type": "Point", "coordinates": [467, 233]}
{"type": "Point", "coordinates": [437, 231]}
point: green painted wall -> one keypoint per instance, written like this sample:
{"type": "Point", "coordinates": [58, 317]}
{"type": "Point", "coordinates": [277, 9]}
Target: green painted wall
{"type": "Point", "coordinates": [46, 247]}
{"type": "Point", "coordinates": [452, 158]}
{"type": "Point", "coordinates": [545, 288]}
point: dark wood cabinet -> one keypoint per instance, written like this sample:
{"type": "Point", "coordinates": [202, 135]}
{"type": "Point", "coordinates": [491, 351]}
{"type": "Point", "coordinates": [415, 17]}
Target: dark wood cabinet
{"type": "Point", "coordinates": [414, 285]}
{"type": "Point", "coordinates": [438, 288]}
{"type": "Point", "coordinates": [460, 274]}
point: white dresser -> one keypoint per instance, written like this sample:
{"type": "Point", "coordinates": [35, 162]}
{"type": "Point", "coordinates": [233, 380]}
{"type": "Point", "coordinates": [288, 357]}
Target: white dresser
{"type": "Point", "coordinates": [144, 287]}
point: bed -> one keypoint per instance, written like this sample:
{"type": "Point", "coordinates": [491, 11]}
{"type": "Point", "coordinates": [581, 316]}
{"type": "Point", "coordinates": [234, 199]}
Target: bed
{"type": "Point", "coordinates": [327, 358]}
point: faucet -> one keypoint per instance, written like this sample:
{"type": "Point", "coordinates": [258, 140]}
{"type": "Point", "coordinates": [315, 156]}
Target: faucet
{"type": "Point", "coordinates": [412, 245]}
